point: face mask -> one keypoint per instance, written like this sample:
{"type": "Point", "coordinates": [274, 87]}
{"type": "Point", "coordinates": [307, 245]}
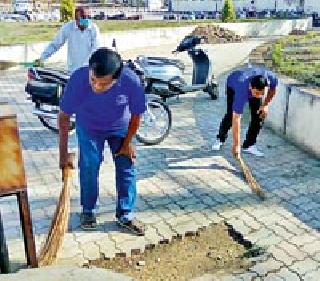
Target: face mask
{"type": "Point", "coordinates": [84, 22]}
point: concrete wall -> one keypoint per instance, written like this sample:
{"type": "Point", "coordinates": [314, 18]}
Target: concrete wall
{"type": "Point", "coordinates": [155, 37]}
{"type": "Point", "coordinates": [295, 114]}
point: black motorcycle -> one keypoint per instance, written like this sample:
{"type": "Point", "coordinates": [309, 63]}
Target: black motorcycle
{"type": "Point", "coordinates": [45, 87]}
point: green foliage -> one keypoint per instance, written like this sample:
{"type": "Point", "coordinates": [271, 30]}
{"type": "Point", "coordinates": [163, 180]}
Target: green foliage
{"type": "Point", "coordinates": [277, 54]}
{"type": "Point", "coordinates": [67, 8]}
{"type": "Point", "coordinates": [288, 57]}
{"type": "Point", "coordinates": [228, 12]}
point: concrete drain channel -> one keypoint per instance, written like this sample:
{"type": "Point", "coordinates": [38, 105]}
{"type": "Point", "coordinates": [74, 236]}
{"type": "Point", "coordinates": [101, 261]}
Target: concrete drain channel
{"type": "Point", "coordinates": [216, 249]}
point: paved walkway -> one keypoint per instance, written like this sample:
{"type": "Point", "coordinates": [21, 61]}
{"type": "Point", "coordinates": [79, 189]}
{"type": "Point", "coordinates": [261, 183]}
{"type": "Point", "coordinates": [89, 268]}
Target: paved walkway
{"type": "Point", "coordinates": [182, 186]}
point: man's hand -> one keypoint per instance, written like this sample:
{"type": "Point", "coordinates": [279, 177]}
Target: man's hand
{"type": "Point", "coordinates": [127, 150]}
{"type": "Point", "coordinates": [235, 151]}
{"type": "Point", "coordinates": [263, 111]}
{"type": "Point", "coordinates": [63, 160]}
{"type": "Point", "coordinates": [38, 63]}
{"type": "Point", "coordinates": [66, 161]}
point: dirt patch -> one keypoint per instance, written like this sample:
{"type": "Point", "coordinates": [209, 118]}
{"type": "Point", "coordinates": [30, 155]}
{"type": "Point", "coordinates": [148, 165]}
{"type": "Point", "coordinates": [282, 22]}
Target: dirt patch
{"type": "Point", "coordinates": [214, 249]}
{"type": "Point", "coordinates": [215, 34]}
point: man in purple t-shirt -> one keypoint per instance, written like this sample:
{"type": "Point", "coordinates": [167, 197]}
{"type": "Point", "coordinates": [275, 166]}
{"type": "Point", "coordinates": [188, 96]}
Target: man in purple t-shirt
{"type": "Point", "coordinates": [107, 99]}
{"type": "Point", "coordinates": [246, 85]}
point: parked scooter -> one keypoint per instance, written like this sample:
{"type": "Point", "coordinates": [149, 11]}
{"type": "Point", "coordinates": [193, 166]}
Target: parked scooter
{"type": "Point", "coordinates": [165, 77]}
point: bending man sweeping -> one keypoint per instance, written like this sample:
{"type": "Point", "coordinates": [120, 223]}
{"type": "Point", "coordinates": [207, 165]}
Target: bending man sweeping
{"type": "Point", "coordinates": [107, 99]}
{"type": "Point", "coordinates": [246, 85]}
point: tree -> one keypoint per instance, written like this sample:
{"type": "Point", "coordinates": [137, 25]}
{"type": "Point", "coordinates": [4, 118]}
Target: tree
{"type": "Point", "coordinates": [228, 13]}
{"type": "Point", "coordinates": [67, 8]}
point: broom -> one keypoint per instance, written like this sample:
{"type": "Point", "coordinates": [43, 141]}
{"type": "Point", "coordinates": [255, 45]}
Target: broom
{"type": "Point", "coordinates": [59, 225]}
{"type": "Point", "coordinates": [253, 184]}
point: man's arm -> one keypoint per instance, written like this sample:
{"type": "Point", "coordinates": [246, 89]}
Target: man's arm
{"type": "Point", "coordinates": [64, 124]}
{"type": "Point", "coordinates": [271, 93]}
{"type": "Point", "coordinates": [263, 110]}
{"type": "Point", "coordinates": [56, 43]}
{"type": "Point", "coordinates": [236, 125]}
{"type": "Point", "coordinates": [96, 40]}
{"type": "Point", "coordinates": [126, 148]}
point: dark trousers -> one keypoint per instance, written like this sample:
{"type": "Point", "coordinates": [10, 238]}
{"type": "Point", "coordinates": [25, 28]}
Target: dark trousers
{"type": "Point", "coordinates": [255, 123]}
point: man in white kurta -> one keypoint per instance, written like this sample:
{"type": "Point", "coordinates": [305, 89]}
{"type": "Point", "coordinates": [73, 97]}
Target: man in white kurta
{"type": "Point", "coordinates": [82, 37]}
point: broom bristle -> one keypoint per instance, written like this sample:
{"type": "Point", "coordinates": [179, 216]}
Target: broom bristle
{"type": "Point", "coordinates": [59, 225]}
{"type": "Point", "coordinates": [253, 184]}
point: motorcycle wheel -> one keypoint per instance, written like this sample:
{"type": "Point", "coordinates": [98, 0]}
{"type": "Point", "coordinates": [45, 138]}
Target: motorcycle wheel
{"type": "Point", "coordinates": [155, 123]}
{"type": "Point", "coordinates": [4, 256]}
{"type": "Point", "coordinates": [52, 124]}
{"type": "Point", "coordinates": [213, 91]}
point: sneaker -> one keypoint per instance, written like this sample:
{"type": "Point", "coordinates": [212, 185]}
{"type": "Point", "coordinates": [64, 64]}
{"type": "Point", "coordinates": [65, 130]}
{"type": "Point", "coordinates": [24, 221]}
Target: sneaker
{"type": "Point", "coordinates": [254, 151]}
{"type": "Point", "coordinates": [88, 221]}
{"type": "Point", "coordinates": [134, 226]}
{"type": "Point", "coordinates": [217, 145]}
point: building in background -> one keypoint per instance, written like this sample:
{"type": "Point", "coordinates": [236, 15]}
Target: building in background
{"type": "Point", "coordinates": [259, 5]}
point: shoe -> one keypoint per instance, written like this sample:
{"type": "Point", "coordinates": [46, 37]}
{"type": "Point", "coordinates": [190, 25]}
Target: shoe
{"type": "Point", "coordinates": [217, 145]}
{"type": "Point", "coordinates": [254, 151]}
{"type": "Point", "coordinates": [88, 221]}
{"type": "Point", "coordinates": [134, 226]}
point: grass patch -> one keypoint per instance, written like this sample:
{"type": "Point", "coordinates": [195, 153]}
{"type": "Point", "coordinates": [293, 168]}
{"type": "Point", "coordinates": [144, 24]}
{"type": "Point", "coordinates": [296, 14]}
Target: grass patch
{"type": "Point", "coordinates": [32, 32]}
{"type": "Point", "coordinates": [296, 56]}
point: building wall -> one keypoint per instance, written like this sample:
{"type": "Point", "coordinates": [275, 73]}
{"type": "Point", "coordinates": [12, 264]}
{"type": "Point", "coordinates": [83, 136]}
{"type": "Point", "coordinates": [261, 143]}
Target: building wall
{"type": "Point", "coordinates": [213, 5]}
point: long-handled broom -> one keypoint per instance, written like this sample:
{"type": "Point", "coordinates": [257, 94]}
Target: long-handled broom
{"type": "Point", "coordinates": [253, 184]}
{"type": "Point", "coordinates": [59, 225]}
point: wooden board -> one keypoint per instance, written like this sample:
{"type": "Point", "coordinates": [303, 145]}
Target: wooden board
{"type": "Point", "coordinates": [12, 173]}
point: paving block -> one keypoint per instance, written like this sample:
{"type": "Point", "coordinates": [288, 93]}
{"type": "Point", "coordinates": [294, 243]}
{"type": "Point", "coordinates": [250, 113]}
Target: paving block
{"type": "Point", "coordinates": [312, 276]}
{"type": "Point", "coordinates": [312, 248]}
{"type": "Point", "coordinates": [165, 231]}
{"type": "Point", "coordinates": [304, 240]}
{"type": "Point", "coordinates": [305, 266]}
{"type": "Point", "coordinates": [135, 245]}
{"type": "Point", "coordinates": [266, 267]}
{"type": "Point", "coordinates": [91, 251]}
{"type": "Point", "coordinates": [288, 275]}
{"type": "Point", "coordinates": [292, 250]}
{"type": "Point", "coordinates": [107, 248]}
{"type": "Point", "coordinates": [280, 255]}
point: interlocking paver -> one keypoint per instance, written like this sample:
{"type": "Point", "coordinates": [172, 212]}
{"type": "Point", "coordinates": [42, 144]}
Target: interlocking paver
{"type": "Point", "coordinates": [288, 275]}
{"type": "Point", "coordinates": [312, 276]}
{"type": "Point", "coordinates": [292, 250]}
{"type": "Point", "coordinates": [312, 248]}
{"type": "Point", "coordinates": [268, 266]}
{"type": "Point", "coordinates": [280, 255]}
{"type": "Point", "coordinates": [305, 266]}
{"type": "Point", "coordinates": [182, 185]}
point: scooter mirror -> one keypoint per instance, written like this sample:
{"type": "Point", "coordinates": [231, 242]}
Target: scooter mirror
{"type": "Point", "coordinates": [114, 44]}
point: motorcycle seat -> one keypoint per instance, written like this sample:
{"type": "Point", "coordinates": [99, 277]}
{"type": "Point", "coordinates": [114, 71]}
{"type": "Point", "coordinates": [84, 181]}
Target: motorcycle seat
{"type": "Point", "coordinates": [42, 89]}
{"type": "Point", "coordinates": [161, 61]}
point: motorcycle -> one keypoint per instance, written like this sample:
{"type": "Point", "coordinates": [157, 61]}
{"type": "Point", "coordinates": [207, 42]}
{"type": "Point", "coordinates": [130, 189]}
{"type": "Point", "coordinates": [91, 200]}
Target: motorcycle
{"type": "Point", "coordinates": [45, 88]}
{"type": "Point", "coordinates": [165, 77]}
{"type": "Point", "coordinates": [162, 78]}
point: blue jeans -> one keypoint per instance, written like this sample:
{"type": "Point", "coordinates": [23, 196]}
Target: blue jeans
{"type": "Point", "coordinates": [91, 147]}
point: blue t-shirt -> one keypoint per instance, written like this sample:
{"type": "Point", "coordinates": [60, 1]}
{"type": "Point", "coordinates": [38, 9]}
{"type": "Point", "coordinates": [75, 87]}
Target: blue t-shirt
{"type": "Point", "coordinates": [109, 111]}
{"type": "Point", "coordinates": [239, 81]}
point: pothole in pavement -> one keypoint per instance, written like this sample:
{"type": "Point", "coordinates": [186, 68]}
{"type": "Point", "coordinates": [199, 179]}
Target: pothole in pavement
{"type": "Point", "coordinates": [217, 248]}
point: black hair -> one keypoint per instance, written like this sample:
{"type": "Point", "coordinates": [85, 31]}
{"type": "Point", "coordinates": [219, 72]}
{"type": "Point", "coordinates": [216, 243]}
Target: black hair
{"type": "Point", "coordinates": [104, 62]}
{"type": "Point", "coordinates": [258, 82]}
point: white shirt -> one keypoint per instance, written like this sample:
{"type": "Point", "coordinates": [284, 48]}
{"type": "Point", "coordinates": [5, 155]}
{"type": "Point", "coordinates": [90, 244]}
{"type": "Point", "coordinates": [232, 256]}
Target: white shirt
{"type": "Point", "coordinates": [81, 44]}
